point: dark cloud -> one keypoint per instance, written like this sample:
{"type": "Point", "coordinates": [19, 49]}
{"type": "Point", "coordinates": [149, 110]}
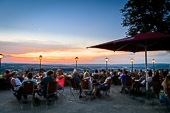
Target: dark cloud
{"type": "Point", "coordinates": [7, 56]}
{"type": "Point", "coordinates": [23, 47]}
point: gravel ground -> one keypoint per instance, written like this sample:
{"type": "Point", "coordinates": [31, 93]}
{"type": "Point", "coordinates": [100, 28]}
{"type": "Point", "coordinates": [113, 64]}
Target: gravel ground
{"type": "Point", "coordinates": [115, 102]}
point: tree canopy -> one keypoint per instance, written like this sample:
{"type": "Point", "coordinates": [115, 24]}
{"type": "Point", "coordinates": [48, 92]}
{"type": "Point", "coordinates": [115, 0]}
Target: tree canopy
{"type": "Point", "coordinates": [141, 16]}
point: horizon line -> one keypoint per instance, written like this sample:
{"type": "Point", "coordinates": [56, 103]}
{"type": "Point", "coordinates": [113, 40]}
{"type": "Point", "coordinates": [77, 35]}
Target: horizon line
{"type": "Point", "coordinates": [82, 63]}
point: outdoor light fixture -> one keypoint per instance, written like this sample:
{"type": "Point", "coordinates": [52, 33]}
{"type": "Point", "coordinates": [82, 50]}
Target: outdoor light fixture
{"type": "Point", "coordinates": [76, 59]}
{"type": "Point", "coordinates": [1, 57]}
{"type": "Point", "coordinates": [132, 60]}
{"type": "Point", "coordinates": [106, 59]}
{"type": "Point", "coordinates": [40, 57]}
{"type": "Point", "coordinates": [153, 61]}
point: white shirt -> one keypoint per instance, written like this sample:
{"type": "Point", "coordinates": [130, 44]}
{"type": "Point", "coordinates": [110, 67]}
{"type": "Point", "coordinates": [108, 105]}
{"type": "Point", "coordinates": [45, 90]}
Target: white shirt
{"type": "Point", "coordinates": [17, 82]}
{"type": "Point", "coordinates": [90, 82]}
{"type": "Point", "coordinates": [149, 80]}
{"type": "Point", "coordinates": [45, 74]}
{"type": "Point", "coordinates": [26, 78]}
{"type": "Point", "coordinates": [107, 79]}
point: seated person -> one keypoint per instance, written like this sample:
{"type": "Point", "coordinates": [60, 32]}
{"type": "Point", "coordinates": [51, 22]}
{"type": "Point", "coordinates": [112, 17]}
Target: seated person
{"type": "Point", "coordinates": [87, 76]}
{"type": "Point", "coordinates": [45, 81]}
{"type": "Point", "coordinates": [149, 78]}
{"type": "Point", "coordinates": [7, 75]}
{"type": "Point", "coordinates": [102, 86]}
{"type": "Point", "coordinates": [29, 76]}
{"type": "Point", "coordinates": [156, 84]}
{"type": "Point", "coordinates": [75, 76]}
{"type": "Point", "coordinates": [142, 81]}
{"type": "Point", "coordinates": [96, 74]}
{"type": "Point", "coordinates": [60, 78]}
{"type": "Point", "coordinates": [16, 83]}
{"type": "Point", "coordinates": [141, 73]}
{"type": "Point", "coordinates": [5, 82]}
{"type": "Point", "coordinates": [43, 72]}
{"type": "Point", "coordinates": [26, 75]}
{"type": "Point", "coordinates": [136, 74]}
{"type": "Point", "coordinates": [124, 76]}
{"type": "Point", "coordinates": [142, 78]}
{"type": "Point", "coordinates": [166, 82]}
{"type": "Point", "coordinates": [102, 76]}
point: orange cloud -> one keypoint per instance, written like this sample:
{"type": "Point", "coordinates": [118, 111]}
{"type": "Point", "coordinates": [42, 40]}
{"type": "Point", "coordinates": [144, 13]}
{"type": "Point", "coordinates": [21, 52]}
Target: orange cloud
{"type": "Point", "coordinates": [65, 56]}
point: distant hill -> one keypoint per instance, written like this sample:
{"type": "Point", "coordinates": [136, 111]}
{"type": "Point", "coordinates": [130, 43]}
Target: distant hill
{"type": "Point", "coordinates": [20, 67]}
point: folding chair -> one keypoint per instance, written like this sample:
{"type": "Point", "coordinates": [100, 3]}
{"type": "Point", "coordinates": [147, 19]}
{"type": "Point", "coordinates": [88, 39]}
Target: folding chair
{"type": "Point", "coordinates": [107, 90]}
{"type": "Point", "coordinates": [51, 92]}
{"type": "Point", "coordinates": [128, 83]}
{"type": "Point", "coordinates": [168, 92]}
{"type": "Point", "coordinates": [86, 89]}
{"type": "Point", "coordinates": [74, 89]}
{"type": "Point", "coordinates": [13, 92]}
{"type": "Point", "coordinates": [28, 90]}
{"type": "Point", "coordinates": [60, 92]}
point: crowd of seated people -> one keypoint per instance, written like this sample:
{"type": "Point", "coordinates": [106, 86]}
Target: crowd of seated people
{"type": "Point", "coordinates": [98, 80]}
{"type": "Point", "coordinates": [28, 76]}
{"type": "Point", "coordinates": [156, 80]}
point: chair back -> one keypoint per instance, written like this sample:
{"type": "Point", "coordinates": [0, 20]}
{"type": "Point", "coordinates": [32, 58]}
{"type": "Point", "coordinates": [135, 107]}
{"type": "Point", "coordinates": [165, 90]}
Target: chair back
{"type": "Point", "coordinates": [28, 87]}
{"type": "Point", "coordinates": [72, 83]}
{"type": "Point", "coordinates": [108, 84]}
{"type": "Point", "coordinates": [96, 76]}
{"type": "Point", "coordinates": [128, 81]}
{"type": "Point", "coordinates": [168, 80]}
{"type": "Point", "coordinates": [168, 92]}
{"type": "Point", "coordinates": [52, 87]}
{"type": "Point", "coordinates": [11, 86]}
{"type": "Point", "coordinates": [85, 84]}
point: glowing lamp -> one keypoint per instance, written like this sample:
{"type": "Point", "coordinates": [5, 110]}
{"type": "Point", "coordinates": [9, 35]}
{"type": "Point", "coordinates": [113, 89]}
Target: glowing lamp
{"type": "Point", "coordinates": [132, 60]}
{"type": "Point", "coordinates": [40, 57]}
{"type": "Point", "coordinates": [106, 59]}
{"type": "Point", "coordinates": [76, 59]}
{"type": "Point", "coordinates": [1, 56]}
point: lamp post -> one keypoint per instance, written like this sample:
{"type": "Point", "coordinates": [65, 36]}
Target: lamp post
{"type": "Point", "coordinates": [1, 57]}
{"type": "Point", "coordinates": [40, 57]}
{"type": "Point", "coordinates": [76, 59]}
{"type": "Point", "coordinates": [132, 60]}
{"type": "Point", "coordinates": [153, 61]}
{"type": "Point", "coordinates": [106, 59]}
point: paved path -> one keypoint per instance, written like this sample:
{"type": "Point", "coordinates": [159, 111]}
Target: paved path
{"type": "Point", "coordinates": [114, 103]}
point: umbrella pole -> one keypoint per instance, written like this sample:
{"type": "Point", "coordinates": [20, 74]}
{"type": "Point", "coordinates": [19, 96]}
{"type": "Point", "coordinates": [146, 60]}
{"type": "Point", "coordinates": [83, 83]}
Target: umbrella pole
{"type": "Point", "coordinates": [146, 74]}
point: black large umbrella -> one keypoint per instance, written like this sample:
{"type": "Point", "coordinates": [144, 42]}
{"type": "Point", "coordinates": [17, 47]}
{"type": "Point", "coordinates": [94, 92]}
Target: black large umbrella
{"type": "Point", "coordinates": [151, 41]}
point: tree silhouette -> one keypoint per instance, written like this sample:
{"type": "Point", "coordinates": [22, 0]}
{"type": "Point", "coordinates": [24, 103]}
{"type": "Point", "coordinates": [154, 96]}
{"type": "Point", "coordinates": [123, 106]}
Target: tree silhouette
{"type": "Point", "coordinates": [141, 16]}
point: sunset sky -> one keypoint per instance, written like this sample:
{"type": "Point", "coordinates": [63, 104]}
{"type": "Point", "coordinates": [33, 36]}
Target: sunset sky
{"type": "Point", "coordinates": [60, 30]}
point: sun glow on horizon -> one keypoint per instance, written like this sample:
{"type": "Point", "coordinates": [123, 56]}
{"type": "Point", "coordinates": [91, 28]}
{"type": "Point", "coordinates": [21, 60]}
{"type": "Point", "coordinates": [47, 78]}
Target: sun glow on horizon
{"type": "Point", "coordinates": [62, 56]}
